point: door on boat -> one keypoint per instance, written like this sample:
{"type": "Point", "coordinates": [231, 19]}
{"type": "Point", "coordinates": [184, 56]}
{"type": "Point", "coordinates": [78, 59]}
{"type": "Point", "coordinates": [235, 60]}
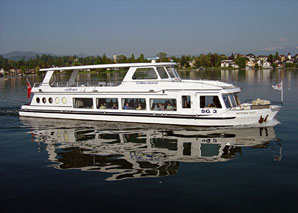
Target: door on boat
{"type": "Point", "coordinates": [209, 104]}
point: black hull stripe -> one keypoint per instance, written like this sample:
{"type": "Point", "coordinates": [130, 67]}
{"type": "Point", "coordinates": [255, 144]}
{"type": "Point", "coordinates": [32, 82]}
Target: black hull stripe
{"type": "Point", "coordinates": [151, 115]}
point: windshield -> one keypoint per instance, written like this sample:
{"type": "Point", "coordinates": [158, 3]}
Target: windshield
{"type": "Point", "coordinates": [231, 100]}
{"type": "Point", "coordinates": [162, 72]}
{"type": "Point", "coordinates": [226, 100]}
{"type": "Point", "coordinates": [172, 72]}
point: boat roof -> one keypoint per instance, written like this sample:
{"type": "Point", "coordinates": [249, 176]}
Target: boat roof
{"type": "Point", "coordinates": [102, 66]}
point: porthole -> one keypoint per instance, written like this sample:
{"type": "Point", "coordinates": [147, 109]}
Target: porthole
{"type": "Point", "coordinates": [57, 101]}
{"type": "Point", "coordinates": [38, 100]}
{"type": "Point", "coordinates": [50, 100]}
{"type": "Point", "coordinates": [64, 101]}
{"type": "Point", "coordinates": [44, 100]}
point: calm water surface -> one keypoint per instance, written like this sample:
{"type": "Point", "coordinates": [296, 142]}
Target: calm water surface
{"type": "Point", "coordinates": [58, 165]}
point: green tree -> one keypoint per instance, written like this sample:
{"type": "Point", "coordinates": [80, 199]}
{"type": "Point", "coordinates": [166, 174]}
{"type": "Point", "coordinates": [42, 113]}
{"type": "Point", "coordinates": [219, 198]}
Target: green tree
{"type": "Point", "coordinates": [141, 58]}
{"type": "Point", "coordinates": [240, 61]}
{"type": "Point", "coordinates": [162, 56]}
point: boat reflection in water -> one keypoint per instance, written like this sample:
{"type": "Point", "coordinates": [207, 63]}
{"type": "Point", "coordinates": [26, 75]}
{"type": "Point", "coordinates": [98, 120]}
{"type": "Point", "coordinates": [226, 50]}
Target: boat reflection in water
{"type": "Point", "coordinates": [139, 151]}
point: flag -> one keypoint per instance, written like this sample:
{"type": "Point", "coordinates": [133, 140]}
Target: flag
{"type": "Point", "coordinates": [28, 88]}
{"type": "Point", "coordinates": [277, 86]}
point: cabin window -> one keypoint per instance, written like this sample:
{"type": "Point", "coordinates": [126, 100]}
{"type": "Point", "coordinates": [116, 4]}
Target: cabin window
{"type": "Point", "coordinates": [186, 101]}
{"type": "Point", "coordinates": [162, 73]}
{"type": "Point", "coordinates": [172, 72]}
{"type": "Point", "coordinates": [209, 102]}
{"type": "Point", "coordinates": [237, 99]}
{"type": "Point", "coordinates": [163, 104]}
{"type": "Point", "coordinates": [83, 103]}
{"type": "Point", "coordinates": [232, 99]}
{"type": "Point", "coordinates": [57, 101]}
{"type": "Point", "coordinates": [37, 100]}
{"type": "Point", "coordinates": [44, 100]}
{"type": "Point", "coordinates": [134, 104]}
{"type": "Point", "coordinates": [144, 73]}
{"type": "Point", "coordinates": [64, 100]}
{"type": "Point", "coordinates": [226, 100]}
{"type": "Point", "coordinates": [106, 103]}
{"type": "Point", "coordinates": [50, 100]}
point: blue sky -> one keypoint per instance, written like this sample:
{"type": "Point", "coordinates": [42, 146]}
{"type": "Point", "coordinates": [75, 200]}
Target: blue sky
{"type": "Point", "coordinates": [95, 27]}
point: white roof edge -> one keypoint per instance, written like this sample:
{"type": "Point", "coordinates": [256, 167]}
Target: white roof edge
{"type": "Point", "coordinates": [99, 66]}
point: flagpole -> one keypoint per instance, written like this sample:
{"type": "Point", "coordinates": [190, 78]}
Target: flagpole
{"type": "Point", "coordinates": [282, 93]}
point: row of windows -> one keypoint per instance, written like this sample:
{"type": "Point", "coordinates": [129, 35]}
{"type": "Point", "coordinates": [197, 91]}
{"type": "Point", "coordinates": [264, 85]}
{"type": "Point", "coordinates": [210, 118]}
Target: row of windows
{"type": "Point", "coordinates": [230, 100]}
{"type": "Point", "coordinates": [140, 103]}
{"type": "Point", "coordinates": [50, 100]}
{"type": "Point", "coordinates": [149, 73]}
{"type": "Point", "coordinates": [127, 104]}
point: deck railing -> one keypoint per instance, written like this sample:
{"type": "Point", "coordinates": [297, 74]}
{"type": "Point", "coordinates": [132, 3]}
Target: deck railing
{"type": "Point", "coordinates": [271, 102]}
{"type": "Point", "coordinates": [83, 83]}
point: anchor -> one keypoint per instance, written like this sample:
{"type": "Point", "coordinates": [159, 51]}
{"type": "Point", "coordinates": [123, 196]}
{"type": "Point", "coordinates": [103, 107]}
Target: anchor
{"type": "Point", "coordinates": [263, 119]}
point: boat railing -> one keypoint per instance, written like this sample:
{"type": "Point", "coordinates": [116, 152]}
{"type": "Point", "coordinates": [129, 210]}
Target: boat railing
{"type": "Point", "coordinates": [248, 104]}
{"type": "Point", "coordinates": [83, 83]}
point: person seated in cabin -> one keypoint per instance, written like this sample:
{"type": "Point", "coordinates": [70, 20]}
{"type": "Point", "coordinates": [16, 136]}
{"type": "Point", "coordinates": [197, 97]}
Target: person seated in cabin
{"type": "Point", "coordinates": [110, 105]}
{"type": "Point", "coordinates": [155, 107]}
{"type": "Point", "coordinates": [115, 106]}
{"type": "Point", "coordinates": [139, 107]}
{"type": "Point", "coordinates": [216, 103]}
{"type": "Point", "coordinates": [170, 107]}
{"type": "Point", "coordinates": [103, 106]}
{"type": "Point", "coordinates": [161, 107]}
{"type": "Point", "coordinates": [126, 106]}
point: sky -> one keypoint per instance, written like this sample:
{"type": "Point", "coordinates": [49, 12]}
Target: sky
{"type": "Point", "coordinates": [191, 27]}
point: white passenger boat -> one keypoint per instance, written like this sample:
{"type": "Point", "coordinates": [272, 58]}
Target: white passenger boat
{"type": "Point", "coordinates": [149, 93]}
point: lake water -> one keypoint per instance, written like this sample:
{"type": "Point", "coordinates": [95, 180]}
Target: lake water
{"type": "Point", "coordinates": [76, 166]}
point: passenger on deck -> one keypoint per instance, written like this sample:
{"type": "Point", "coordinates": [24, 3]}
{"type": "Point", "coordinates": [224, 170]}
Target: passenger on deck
{"type": "Point", "coordinates": [103, 106]}
{"type": "Point", "coordinates": [160, 107]}
{"type": "Point", "coordinates": [169, 107]}
{"type": "Point", "coordinates": [139, 107]}
{"type": "Point", "coordinates": [115, 106]}
{"type": "Point", "coordinates": [126, 106]}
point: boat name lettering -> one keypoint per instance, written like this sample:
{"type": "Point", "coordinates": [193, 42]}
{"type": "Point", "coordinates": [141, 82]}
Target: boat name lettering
{"type": "Point", "coordinates": [208, 111]}
{"type": "Point", "coordinates": [70, 89]}
{"type": "Point", "coordinates": [146, 82]}
{"type": "Point", "coordinates": [245, 113]}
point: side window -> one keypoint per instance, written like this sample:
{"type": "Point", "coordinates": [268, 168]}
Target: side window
{"type": "Point", "coordinates": [237, 99]}
{"type": "Point", "coordinates": [186, 102]}
{"type": "Point", "coordinates": [106, 103]}
{"type": "Point", "coordinates": [134, 104]}
{"type": "Point", "coordinates": [163, 104]}
{"type": "Point", "coordinates": [209, 102]}
{"type": "Point", "coordinates": [162, 73]}
{"type": "Point", "coordinates": [226, 100]}
{"type": "Point", "coordinates": [232, 100]}
{"type": "Point", "coordinates": [172, 72]}
{"type": "Point", "coordinates": [144, 73]}
{"type": "Point", "coordinates": [83, 103]}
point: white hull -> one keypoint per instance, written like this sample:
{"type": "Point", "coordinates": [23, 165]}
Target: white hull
{"type": "Point", "coordinates": [231, 118]}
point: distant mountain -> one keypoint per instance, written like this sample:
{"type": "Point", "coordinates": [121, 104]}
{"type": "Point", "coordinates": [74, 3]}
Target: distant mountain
{"type": "Point", "coordinates": [19, 55]}
{"type": "Point", "coordinates": [280, 50]}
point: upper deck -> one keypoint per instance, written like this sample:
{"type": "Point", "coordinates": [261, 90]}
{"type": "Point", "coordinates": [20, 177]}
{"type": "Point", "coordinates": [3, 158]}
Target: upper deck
{"type": "Point", "coordinates": [141, 77]}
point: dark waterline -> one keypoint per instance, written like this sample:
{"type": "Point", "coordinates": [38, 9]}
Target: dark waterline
{"type": "Point", "coordinates": [48, 165]}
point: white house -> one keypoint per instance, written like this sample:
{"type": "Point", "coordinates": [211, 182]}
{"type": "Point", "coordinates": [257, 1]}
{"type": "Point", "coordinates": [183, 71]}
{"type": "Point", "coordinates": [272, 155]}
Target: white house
{"type": "Point", "coordinates": [266, 65]}
{"type": "Point", "coordinates": [2, 72]}
{"type": "Point", "coordinates": [229, 63]}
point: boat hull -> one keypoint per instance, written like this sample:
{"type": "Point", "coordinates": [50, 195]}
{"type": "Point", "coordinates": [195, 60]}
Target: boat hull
{"type": "Point", "coordinates": [231, 118]}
